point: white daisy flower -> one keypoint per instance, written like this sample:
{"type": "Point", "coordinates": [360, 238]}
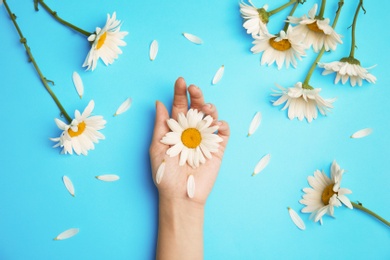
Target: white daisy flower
{"type": "Point", "coordinates": [348, 68]}
{"type": "Point", "coordinates": [325, 193]}
{"type": "Point", "coordinates": [105, 43]}
{"type": "Point", "coordinates": [284, 48]}
{"type": "Point", "coordinates": [82, 133]}
{"type": "Point", "coordinates": [302, 102]}
{"type": "Point", "coordinates": [255, 19]}
{"type": "Point", "coordinates": [315, 32]}
{"type": "Point", "coordinates": [192, 137]}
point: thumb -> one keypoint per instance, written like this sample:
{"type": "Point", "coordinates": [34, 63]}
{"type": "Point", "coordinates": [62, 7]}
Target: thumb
{"type": "Point", "coordinates": [160, 125]}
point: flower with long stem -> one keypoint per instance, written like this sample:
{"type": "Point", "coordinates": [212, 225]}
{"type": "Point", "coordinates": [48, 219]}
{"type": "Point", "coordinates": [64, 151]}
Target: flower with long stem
{"type": "Point", "coordinates": [284, 47]}
{"type": "Point", "coordinates": [349, 67]}
{"type": "Point", "coordinates": [79, 133]}
{"type": "Point", "coordinates": [256, 19]}
{"type": "Point", "coordinates": [303, 100]}
{"type": "Point", "coordinates": [105, 42]}
{"type": "Point", "coordinates": [316, 30]}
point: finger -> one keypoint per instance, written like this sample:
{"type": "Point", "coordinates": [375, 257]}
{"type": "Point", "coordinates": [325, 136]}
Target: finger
{"type": "Point", "coordinates": [160, 127]}
{"type": "Point", "coordinates": [180, 100]}
{"type": "Point", "coordinates": [196, 97]}
{"type": "Point", "coordinates": [210, 109]}
{"type": "Point", "coordinates": [224, 132]}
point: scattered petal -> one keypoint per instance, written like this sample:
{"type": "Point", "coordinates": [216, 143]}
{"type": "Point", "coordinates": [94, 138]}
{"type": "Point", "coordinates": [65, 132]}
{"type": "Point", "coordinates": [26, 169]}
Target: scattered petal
{"type": "Point", "coordinates": [192, 38]}
{"type": "Point", "coordinates": [108, 177]}
{"type": "Point", "coordinates": [296, 219]}
{"type": "Point", "coordinates": [78, 83]}
{"type": "Point", "coordinates": [68, 184]}
{"type": "Point", "coordinates": [191, 186]}
{"type": "Point", "coordinates": [123, 107]}
{"type": "Point", "coordinates": [67, 234]}
{"type": "Point", "coordinates": [261, 164]}
{"type": "Point", "coordinates": [255, 123]}
{"type": "Point", "coordinates": [362, 133]}
{"type": "Point", "coordinates": [160, 172]}
{"type": "Point", "coordinates": [218, 75]}
{"type": "Point", "coordinates": [153, 50]}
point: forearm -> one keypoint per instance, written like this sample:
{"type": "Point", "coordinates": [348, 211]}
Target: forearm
{"type": "Point", "coordinates": [180, 231]}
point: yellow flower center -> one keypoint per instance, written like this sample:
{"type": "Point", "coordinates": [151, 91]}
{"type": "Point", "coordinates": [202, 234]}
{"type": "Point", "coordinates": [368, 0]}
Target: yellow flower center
{"type": "Point", "coordinates": [281, 45]}
{"type": "Point", "coordinates": [314, 27]}
{"type": "Point", "coordinates": [81, 127]}
{"type": "Point", "coordinates": [327, 194]}
{"type": "Point", "coordinates": [191, 137]}
{"type": "Point", "coordinates": [101, 40]}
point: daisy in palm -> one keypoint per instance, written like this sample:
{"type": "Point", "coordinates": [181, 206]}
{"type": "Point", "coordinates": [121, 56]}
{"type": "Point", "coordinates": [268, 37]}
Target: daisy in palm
{"type": "Point", "coordinates": [315, 30]}
{"type": "Point", "coordinates": [105, 43]}
{"type": "Point", "coordinates": [192, 137]}
{"type": "Point", "coordinates": [81, 134]}
{"type": "Point", "coordinates": [349, 67]}
{"type": "Point", "coordinates": [325, 193]}
{"type": "Point", "coordinates": [283, 48]}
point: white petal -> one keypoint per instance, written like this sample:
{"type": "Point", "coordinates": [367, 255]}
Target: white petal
{"type": "Point", "coordinates": [218, 75]}
{"type": "Point", "coordinates": [160, 172]}
{"type": "Point", "coordinates": [261, 164]}
{"type": "Point", "coordinates": [153, 50]}
{"type": "Point", "coordinates": [108, 177]}
{"type": "Point", "coordinates": [362, 133]}
{"type": "Point", "coordinates": [123, 107]}
{"type": "Point", "coordinates": [255, 123]}
{"type": "Point", "coordinates": [78, 83]}
{"type": "Point", "coordinates": [191, 186]}
{"type": "Point", "coordinates": [296, 219]}
{"type": "Point", "coordinates": [192, 38]}
{"type": "Point", "coordinates": [67, 234]}
{"type": "Point", "coordinates": [68, 184]}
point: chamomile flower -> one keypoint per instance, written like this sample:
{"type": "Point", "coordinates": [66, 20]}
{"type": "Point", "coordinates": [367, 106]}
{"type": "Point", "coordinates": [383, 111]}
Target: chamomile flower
{"type": "Point", "coordinates": [81, 134]}
{"type": "Point", "coordinates": [325, 193]}
{"type": "Point", "coordinates": [255, 19]}
{"type": "Point", "coordinates": [302, 102]}
{"type": "Point", "coordinates": [282, 48]}
{"type": "Point", "coordinates": [105, 43]}
{"type": "Point", "coordinates": [316, 32]}
{"type": "Point", "coordinates": [348, 68]}
{"type": "Point", "coordinates": [192, 137]}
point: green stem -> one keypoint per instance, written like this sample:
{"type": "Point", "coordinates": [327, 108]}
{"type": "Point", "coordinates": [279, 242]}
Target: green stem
{"type": "Point", "coordinates": [353, 44]}
{"type": "Point", "coordinates": [360, 206]}
{"type": "Point", "coordinates": [290, 14]}
{"type": "Point", "coordinates": [43, 79]}
{"type": "Point", "coordinates": [55, 16]}
{"type": "Point", "coordinates": [322, 10]}
{"type": "Point", "coordinates": [280, 8]}
{"type": "Point", "coordinates": [305, 84]}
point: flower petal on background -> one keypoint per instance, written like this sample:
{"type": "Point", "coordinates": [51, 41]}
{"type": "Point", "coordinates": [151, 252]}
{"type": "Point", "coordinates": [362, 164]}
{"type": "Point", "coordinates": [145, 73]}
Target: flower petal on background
{"type": "Point", "coordinates": [362, 133]}
{"type": "Point", "coordinates": [67, 234]}
{"type": "Point", "coordinates": [108, 177]}
{"type": "Point", "coordinates": [261, 164]}
{"type": "Point", "coordinates": [68, 184]}
{"type": "Point", "coordinates": [123, 107]}
{"type": "Point", "coordinates": [255, 123]}
{"type": "Point", "coordinates": [218, 75]}
{"type": "Point", "coordinates": [192, 38]}
{"type": "Point", "coordinates": [296, 219]}
{"type": "Point", "coordinates": [160, 172]}
{"type": "Point", "coordinates": [78, 83]}
{"type": "Point", "coordinates": [153, 50]}
{"type": "Point", "coordinates": [191, 186]}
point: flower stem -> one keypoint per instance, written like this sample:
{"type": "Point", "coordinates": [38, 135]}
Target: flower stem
{"type": "Point", "coordinates": [55, 16]}
{"type": "Point", "coordinates": [305, 84]}
{"type": "Point", "coordinates": [353, 44]}
{"type": "Point", "coordinates": [290, 14]}
{"type": "Point", "coordinates": [322, 10]}
{"type": "Point", "coordinates": [280, 8]}
{"type": "Point", "coordinates": [31, 59]}
{"type": "Point", "coordinates": [360, 206]}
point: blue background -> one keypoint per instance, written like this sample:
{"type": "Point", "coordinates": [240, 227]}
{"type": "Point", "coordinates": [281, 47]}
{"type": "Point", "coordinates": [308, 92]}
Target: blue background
{"type": "Point", "coordinates": [246, 217]}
